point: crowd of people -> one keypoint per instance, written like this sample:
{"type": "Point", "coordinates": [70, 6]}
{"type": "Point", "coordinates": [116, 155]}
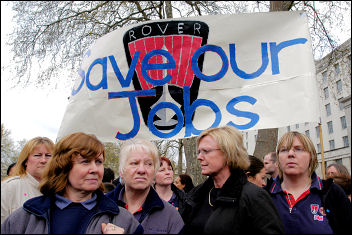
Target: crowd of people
{"type": "Point", "coordinates": [65, 188]}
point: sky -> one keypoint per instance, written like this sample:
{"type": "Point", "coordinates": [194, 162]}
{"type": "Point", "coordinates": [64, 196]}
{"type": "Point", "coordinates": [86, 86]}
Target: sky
{"type": "Point", "coordinates": [30, 112]}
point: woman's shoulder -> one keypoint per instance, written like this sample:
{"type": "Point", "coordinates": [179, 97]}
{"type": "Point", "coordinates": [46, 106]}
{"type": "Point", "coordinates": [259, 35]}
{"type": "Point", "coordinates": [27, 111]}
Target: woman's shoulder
{"type": "Point", "coordinates": [253, 191]}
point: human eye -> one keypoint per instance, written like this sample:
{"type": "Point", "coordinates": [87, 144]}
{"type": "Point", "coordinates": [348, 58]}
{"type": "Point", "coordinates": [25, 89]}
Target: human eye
{"type": "Point", "coordinates": [84, 161]}
{"type": "Point", "coordinates": [99, 161]}
{"type": "Point", "coordinates": [283, 150]}
{"type": "Point", "coordinates": [299, 149]}
{"type": "Point", "coordinates": [48, 155]}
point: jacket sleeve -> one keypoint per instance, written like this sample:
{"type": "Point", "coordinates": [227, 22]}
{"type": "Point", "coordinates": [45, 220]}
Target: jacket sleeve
{"type": "Point", "coordinates": [263, 213]}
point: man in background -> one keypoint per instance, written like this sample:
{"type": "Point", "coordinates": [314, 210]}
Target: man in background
{"type": "Point", "coordinates": [271, 167]}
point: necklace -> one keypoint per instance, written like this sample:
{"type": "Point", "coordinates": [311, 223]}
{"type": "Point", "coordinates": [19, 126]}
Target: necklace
{"type": "Point", "coordinates": [289, 198]}
{"type": "Point", "coordinates": [209, 197]}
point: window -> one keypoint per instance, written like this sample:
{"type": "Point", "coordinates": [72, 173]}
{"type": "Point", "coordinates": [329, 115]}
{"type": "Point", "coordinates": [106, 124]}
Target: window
{"type": "Point", "coordinates": [332, 144]}
{"type": "Point", "coordinates": [341, 104]}
{"type": "Point", "coordinates": [343, 122]}
{"type": "Point", "coordinates": [255, 137]}
{"type": "Point", "coordinates": [337, 68]}
{"type": "Point", "coordinates": [345, 141]}
{"type": "Point", "coordinates": [328, 109]}
{"type": "Point", "coordinates": [318, 148]}
{"type": "Point", "coordinates": [306, 123]}
{"type": "Point", "coordinates": [326, 92]}
{"type": "Point", "coordinates": [325, 76]}
{"type": "Point", "coordinates": [317, 131]}
{"type": "Point", "coordinates": [339, 86]}
{"type": "Point", "coordinates": [288, 128]}
{"type": "Point", "coordinates": [339, 161]}
{"type": "Point", "coordinates": [307, 133]}
{"type": "Point", "coordinates": [330, 127]}
{"type": "Point", "coordinates": [297, 126]}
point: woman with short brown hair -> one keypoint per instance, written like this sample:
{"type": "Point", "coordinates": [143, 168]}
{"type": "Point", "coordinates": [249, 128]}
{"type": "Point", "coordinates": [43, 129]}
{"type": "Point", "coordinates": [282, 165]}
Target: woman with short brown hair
{"type": "Point", "coordinates": [73, 201]}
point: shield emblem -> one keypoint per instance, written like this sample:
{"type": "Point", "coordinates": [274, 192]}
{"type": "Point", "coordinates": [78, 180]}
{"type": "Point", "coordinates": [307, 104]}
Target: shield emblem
{"type": "Point", "coordinates": [314, 208]}
{"type": "Point", "coordinates": [181, 39]}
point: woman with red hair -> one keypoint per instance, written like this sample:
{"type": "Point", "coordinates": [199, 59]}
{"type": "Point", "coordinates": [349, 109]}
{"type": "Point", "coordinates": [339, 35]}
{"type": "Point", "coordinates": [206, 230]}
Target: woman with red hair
{"type": "Point", "coordinates": [164, 185]}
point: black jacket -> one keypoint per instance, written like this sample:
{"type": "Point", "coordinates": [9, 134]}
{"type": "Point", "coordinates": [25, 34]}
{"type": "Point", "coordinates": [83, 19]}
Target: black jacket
{"type": "Point", "coordinates": [241, 207]}
{"type": "Point", "coordinates": [181, 196]}
{"type": "Point", "coordinates": [335, 200]}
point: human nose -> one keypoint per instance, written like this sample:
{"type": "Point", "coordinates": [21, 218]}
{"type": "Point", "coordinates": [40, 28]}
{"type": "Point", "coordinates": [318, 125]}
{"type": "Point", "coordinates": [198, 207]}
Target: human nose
{"type": "Point", "coordinates": [141, 168]}
{"type": "Point", "coordinates": [93, 167]}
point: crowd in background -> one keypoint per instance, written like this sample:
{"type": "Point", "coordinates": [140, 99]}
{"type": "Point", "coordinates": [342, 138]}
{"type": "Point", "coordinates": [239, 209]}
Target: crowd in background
{"type": "Point", "coordinates": [65, 188]}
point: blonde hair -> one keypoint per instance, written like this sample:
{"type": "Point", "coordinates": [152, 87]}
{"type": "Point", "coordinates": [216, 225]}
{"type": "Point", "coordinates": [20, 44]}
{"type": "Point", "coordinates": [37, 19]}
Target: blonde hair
{"type": "Point", "coordinates": [20, 167]}
{"type": "Point", "coordinates": [230, 142]}
{"type": "Point", "coordinates": [55, 176]}
{"type": "Point", "coordinates": [135, 145]}
{"type": "Point", "coordinates": [286, 141]}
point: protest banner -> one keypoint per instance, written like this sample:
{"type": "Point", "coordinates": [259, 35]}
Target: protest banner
{"type": "Point", "coordinates": [173, 78]}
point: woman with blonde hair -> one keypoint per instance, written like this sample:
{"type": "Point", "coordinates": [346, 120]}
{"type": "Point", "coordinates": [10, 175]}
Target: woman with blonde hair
{"type": "Point", "coordinates": [73, 201]}
{"type": "Point", "coordinates": [27, 173]}
{"type": "Point", "coordinates": [138, 164]}
{"type": "Point", "coordinates": [306, 203]}
{"type": "Point", "coordinates": [226, 203]}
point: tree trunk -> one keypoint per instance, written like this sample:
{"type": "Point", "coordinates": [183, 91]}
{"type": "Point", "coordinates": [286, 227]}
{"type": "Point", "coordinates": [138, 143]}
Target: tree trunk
{"type": "Point", "coordinates": [280, 5]}
{"type": "Point", "coordinates": [180, 153]}
{"type": "Point", "coordinates": [193, 167]}
{"type": "Point", "coordinates": [168, 9]}
{"type": "Point", "coordinates": [267, 138]}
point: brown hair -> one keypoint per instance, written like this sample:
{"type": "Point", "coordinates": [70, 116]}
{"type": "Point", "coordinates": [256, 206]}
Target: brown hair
{"type": "Point", "coordinates": [255, 167]}
{"type": "Point", "coordinates": [167, 161]}
{"type": "Point", "coordinates": [286, 141]}
{"type": "Point", "coordinates": [55, 176]}
{"type": "Point", "coordinates": [20, 167]}
{"type": "Point", "coordinates": [341, 169]}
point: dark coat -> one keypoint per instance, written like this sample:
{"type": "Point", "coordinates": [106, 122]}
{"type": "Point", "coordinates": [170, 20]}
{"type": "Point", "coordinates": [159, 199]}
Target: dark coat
{"type": "Point", "coordinates": [241, 207]}
{"type": "Point", "coordinates": [181, 196]}
{"type": "Point", "coordinates": [336, 202]}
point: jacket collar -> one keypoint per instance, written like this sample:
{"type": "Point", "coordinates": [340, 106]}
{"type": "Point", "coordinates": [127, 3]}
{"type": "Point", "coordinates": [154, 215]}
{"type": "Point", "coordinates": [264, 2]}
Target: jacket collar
{"type": "Point", "coordinates": [230, 191]}
{"type": "Point", "coordinates": [40, 205]}
{"type": "Point", "coordinates": [316, 184]}
{"type": "Point", "coordinates": [152, 201]}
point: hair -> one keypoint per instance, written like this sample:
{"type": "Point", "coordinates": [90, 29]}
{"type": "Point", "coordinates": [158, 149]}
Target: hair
{"type": "Point", "coordinates": [167, 161]}
{"type": "Point", "coordinates": [55, 176]}
{"type": "Point", "coordinates": [134, 145]}
{"type": "Point", "coordinates": [344, 181]}
{"type": "Point", "coordinates": [230, 142]}
{"type": "Point", "coordinates": [108, 187]}
{"type": "Point", "coordinates": [187, 181]}
{"type": "Point", "coordinates": [256, 165]}
{"type": "Point", "coordinates": [341, 169]}
{"type": "Point", "coordinates": [109, 175]}
{"type": "Point", "coordinates": [20, 167]}
{"type": "Point", "coordinates": [10, 167]}
{"type": "Point", "coordinates": [273, 156]}
{"type": "Point", "coordinates": [287, 141]}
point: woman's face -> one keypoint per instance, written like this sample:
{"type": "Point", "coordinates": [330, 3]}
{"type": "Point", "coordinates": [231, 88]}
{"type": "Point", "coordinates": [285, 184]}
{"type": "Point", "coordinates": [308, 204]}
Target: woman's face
{"type": "Point", "coordinates": [294, 161]}
{"type": "Point", "coordinates": [139, 170]}
{"type": "Point", "coordinates": [211, 158]}
{"type": "Point", "coordinates": [259, 178]}
{"type": "Point", "coordinates": [331, 172]}
{"type": "Point", "coordinates": [178, 183]}
{"type": "Point", "coordinates": [85, 175]}
{"type": "Point", "coordinates": [37, 160]}
{"type": "Point", "coordinates": [165, 175]}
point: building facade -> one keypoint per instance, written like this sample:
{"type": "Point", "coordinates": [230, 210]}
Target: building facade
{"type": "Point", "coordinates": [333, 74]}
